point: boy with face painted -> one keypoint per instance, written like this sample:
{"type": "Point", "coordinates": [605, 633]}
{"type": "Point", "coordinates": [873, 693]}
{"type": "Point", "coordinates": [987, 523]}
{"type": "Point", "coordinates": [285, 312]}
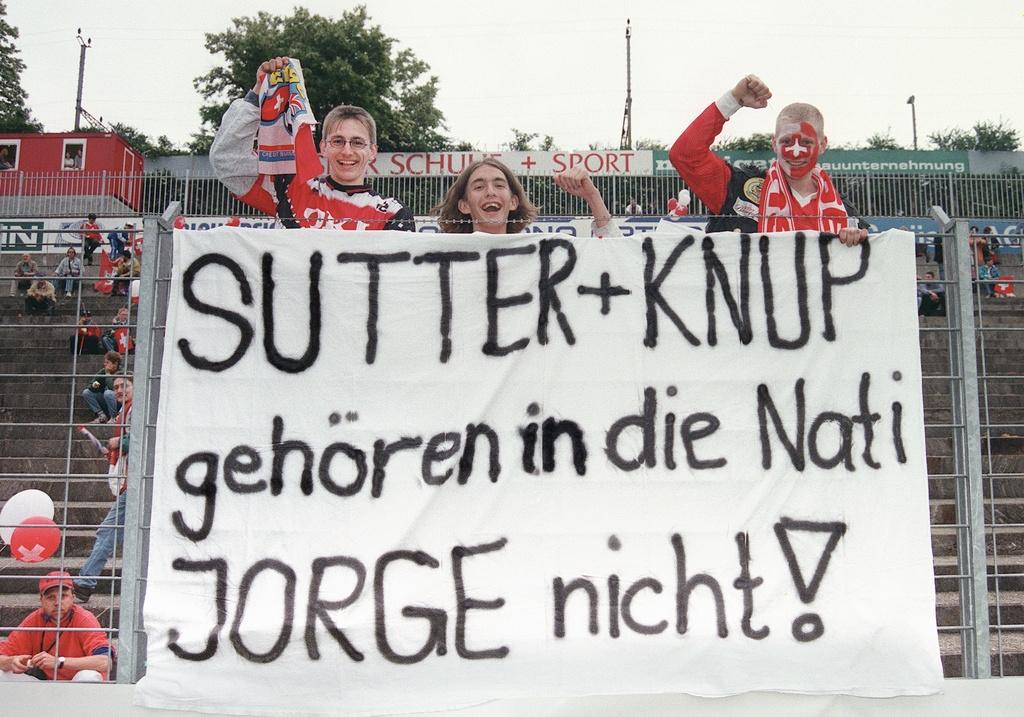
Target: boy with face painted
{"type": "Point", "coordinates": [793, 194]}
{"type": "Point", "coordinates": [341, 199]}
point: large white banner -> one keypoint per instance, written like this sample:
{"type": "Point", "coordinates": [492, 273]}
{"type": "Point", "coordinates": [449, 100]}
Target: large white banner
{"type": "Point", "coordinates": [405, 472]}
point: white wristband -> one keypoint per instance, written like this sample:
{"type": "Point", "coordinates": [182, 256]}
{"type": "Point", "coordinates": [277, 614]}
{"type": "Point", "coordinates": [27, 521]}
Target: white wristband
{"type": "Point", "coordinates": [728, 105]}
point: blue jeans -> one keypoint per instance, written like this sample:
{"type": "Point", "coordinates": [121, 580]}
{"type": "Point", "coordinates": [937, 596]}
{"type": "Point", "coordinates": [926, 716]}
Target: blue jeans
{"type": "Point", "coordinates": [69, 284]}
{"type": "Point", "coordinates": [116, 244]}
{"type": "Point", "coordinates": [108, 405]}
{"type": "Point", "coordinates": [103, 548]}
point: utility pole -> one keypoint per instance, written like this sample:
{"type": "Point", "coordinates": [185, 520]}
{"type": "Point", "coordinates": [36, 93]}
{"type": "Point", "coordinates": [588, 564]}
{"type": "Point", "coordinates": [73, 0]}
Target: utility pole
{"type": "Point", "coordinates": [913, 118]}
{"type": "Point", "coordinates": [85, 45]}
{"type": "Point", "coordinates": [626, 140]}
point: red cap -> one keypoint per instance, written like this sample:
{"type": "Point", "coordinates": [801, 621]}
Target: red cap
{"type": "Point", "coordinates": [55, 578]}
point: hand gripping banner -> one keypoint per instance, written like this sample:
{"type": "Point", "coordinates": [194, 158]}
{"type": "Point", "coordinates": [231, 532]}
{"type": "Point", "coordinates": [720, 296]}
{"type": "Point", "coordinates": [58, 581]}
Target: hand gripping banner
{"type": "Point", "coordinates": [406, 473]}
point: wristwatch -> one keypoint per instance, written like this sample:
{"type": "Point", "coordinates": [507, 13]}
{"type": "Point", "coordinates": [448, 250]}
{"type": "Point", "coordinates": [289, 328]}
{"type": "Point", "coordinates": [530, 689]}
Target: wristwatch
{"type": "Point", "coordinates": [60, 662]}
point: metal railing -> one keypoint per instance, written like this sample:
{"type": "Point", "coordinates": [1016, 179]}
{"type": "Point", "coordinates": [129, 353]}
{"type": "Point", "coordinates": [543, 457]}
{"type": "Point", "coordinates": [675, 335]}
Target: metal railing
{"type": "Point", "coordinates": [912, 195]}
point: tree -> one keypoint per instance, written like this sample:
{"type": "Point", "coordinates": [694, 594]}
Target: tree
{"type": "Point", "coordinates": [161, 147]}
{"type": "Point", "coordinates": [647, 143]}
{"type": "Point", "coordinates": [882, 141]}
{"type": "Point", "coordinates": [985, 136]}
{"type": "Point", "coordinates": [14, 115]}
{"type": "Point", "coordinates": [523, 142]}
{"type": "Point", "coordinates": [344, 61]}
{"type": "Point", "coordinates": [757, 142]}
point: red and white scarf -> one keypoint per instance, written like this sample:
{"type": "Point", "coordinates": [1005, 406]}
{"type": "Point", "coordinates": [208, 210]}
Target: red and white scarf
{"type": "Point", "coordinates": [779, 210]}
{"type": "Point", "coordinates": [285, 135]}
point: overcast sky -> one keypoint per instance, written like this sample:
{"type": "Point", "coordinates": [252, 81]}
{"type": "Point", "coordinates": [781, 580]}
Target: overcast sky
{"type": "Point", "coordinates": [559, 68]}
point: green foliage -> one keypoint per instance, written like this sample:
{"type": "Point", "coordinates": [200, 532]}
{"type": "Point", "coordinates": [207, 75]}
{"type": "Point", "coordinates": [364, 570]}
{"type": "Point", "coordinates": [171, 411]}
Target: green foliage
{"type": "Point", "coordinates": [985, 136]}
{"type": "Point", "coordinates": [161, 147]}
{"type": "Point", "coordinates": [344, 61]}
{"type": "Point", "coordinates": [14, 115]}
{"type": "Point", "coordinates": [200, 143]}
{"type": "Point", "coordinates": [647, 143]}
{"type": "Point", "coordinates": [523, 142]}
{"type": "Point", "coordinates": [882, 141]}
{"type": "Point", "coordinates": [757, 142]}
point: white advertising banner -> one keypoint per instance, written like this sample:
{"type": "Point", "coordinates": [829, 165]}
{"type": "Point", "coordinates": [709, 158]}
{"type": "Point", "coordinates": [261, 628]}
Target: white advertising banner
{"type": "Point", "coordinates": [535, 162]}
{"type": "Point", "coordinates": [403, 472]}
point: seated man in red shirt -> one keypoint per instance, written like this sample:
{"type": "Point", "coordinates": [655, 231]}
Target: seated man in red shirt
{"type": "Point", "coordinates": [51, 643]}
{"type": "Point", "coordinates": [341, 199]}
{"type": "Point", "coordinates": [793, 194]}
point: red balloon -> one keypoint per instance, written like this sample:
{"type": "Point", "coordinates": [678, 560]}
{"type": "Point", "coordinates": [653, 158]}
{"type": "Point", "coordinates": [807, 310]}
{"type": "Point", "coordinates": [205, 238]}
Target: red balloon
{"type": "Point", "coordinates": [35, 539]}
{"type": "Point", "coordinates": [179, 222]}
{"type": "Point", "coordinates": [234, 222]}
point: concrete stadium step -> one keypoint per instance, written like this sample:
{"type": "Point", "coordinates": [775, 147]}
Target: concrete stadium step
{"type": "Point", "coordinates": [54, 417]}
{"type": "Point", "coordinates": [1007, 656]}
{"type": "Point", "coordinates": [1005, 607]}
{"type": "Point", "coordinates": [1001, 510]}
{"type": "Point", "coordinates": [78, 491]}
{"type": "Point", "coordinates": [51, 465]}
{"type": "Point", "coordinates": [995, 415]}
{"type": "Point", "coordinates": [1007, 570]}
{"type": "Point", "coordinates": [42, 400]}
{"type": "Point", "coordinates": [1011, 488]}
{"type": "Point", "coordinates": [1008, 543]}
{"type": "Point", "coordinates": [57, 431]}
{"type": "Point", "coordinates": [46, 447]}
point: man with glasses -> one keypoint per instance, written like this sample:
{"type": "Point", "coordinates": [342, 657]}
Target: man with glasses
{"type": "Point", "coordinates": [341, 199]}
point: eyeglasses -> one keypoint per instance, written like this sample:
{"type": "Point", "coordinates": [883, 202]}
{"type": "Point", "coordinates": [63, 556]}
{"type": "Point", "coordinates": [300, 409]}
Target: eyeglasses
{"type": "Point", "coordinates": [356, 143]}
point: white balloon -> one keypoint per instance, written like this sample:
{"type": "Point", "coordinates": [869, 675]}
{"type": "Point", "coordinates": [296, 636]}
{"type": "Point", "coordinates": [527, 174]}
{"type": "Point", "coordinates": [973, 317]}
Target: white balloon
{"type": "Point", "coordinates": [23, 505]}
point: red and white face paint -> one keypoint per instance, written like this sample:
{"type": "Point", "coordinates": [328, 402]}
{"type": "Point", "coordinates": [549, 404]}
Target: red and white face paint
{"type": "Point", "coordinates": [798, 148]}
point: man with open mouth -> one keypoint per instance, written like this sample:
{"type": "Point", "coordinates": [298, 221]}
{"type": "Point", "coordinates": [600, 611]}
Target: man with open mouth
{"type": "Point", "coordinates": [793, 194]}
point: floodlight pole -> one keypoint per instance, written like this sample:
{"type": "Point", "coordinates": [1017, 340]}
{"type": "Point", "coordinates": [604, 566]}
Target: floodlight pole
{"type": "Point", "coordinates": [626, 140]}
{"type": "Point", "coordinates": [85, 45]}
{"type": "Point", "coordinates": [913, 118]}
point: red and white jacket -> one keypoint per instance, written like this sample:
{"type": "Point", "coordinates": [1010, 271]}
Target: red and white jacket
{"type": "Point", "coordinates": [320, 203]}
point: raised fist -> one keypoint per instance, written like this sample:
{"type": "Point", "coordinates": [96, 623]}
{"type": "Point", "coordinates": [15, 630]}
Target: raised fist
{"type": "Point", "coordinates": [752, 92]}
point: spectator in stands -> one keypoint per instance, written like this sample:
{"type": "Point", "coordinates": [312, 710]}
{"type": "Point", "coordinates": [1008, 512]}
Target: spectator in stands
{"type": "Point", "coordinates": [22, 271]}
{"type": "Point", "coordinates": [633, 209]}
{"type": "Point", "coordinates": [58, 641]}
{"type": "Point", "coordinates": [119, 238]}
{"type": "Point", "coordinates": [931, 297]}
{"type": "Point", "coordinates": [988, 274]}
{"type": "Point", "coordinates": [91, 238]}
{"type": "Point", "coordinates": [125, 269]}
{"type": "Point", "coordinates": [995, 242]}
{"type": "Point", "coordinates": [40, 298]}
{"type": "Point", "coordinates": [70, 270]}
{"type": "Point", "coordinates": [99, 395]}
{"type": "Point", "coordinates": [487, 198]}
{"type": "Point", "coordinates": [111, 337]}
{"type": "Point", "coordinates": [87, 336]}
{"type": "Point", "coordinates": [979, 247]}
{"type": "Point", "coordinates": [111, 530]}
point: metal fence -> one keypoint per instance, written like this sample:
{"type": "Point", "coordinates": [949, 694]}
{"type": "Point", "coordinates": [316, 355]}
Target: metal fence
{"type": "Point", "coordinates": [24, 194]}
{"type": "Point", "coordinates": [974, 412]}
